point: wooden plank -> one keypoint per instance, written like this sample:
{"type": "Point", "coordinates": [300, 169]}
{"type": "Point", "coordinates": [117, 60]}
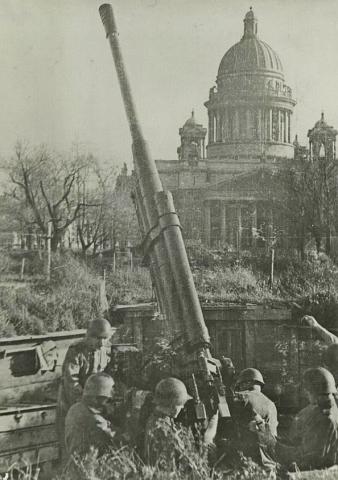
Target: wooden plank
{"type": "Point", "coordinates": [33, 393]}
{"type": "Point", "coordinates": [30, 456]}
{"type": "Point", "coordinates": [72, 336]}
{"type": "Point", "coordinates": [16, 418]}
{"type": "Point", "coordinates": [27, 437]}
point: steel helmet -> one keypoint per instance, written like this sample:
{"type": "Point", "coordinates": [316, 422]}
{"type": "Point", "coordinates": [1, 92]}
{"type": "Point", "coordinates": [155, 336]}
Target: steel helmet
{"type": "Point", "coordinates": [171, 392]}
{"type": "Point", "coordinates": [319, 381]}
{"type": "Point", "coordinates": [99, 328]}
{"type": "Point", "coordinates": [250, 375]}
{"type": "Point", "coordinates": [330, 355]}
{"type": "Point", "coordinates": [99, 385]}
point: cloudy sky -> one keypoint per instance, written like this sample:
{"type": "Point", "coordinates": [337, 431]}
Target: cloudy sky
{"type": "Point", "coordinates": [58, 85]}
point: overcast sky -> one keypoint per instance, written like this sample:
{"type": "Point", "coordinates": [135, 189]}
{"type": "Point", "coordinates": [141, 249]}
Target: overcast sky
{"type": "Point", "coordinates": [58, 84]}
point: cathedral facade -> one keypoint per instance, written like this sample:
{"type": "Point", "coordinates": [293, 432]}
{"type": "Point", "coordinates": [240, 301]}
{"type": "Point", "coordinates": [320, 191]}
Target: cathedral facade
{"type": "Point", "coordinates": [218, 180]}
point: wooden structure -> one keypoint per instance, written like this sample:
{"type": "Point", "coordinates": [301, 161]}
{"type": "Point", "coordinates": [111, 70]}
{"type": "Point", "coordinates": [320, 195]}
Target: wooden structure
{"type": "Point", "coordinates": [30, 368]}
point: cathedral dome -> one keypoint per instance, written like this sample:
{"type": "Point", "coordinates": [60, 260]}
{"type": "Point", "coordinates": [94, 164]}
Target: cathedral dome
{"type": "Point", "coordinates": [250, 55]}
{"type": "Point", "coordinates": [191, 122]}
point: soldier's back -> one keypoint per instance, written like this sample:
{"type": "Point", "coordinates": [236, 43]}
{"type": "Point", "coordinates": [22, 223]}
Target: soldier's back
{"type": "Point", "coordinates": [264, 407]}
{"type": "Point", "coordinates": [86, 428]}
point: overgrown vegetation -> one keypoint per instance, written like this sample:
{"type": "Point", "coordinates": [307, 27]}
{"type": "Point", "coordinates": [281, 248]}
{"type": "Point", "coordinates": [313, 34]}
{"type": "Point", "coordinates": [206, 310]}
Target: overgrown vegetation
{"type": "Point", "coordinates": [68, 301]}
{"type": "Point", "coordinates": [125, 464]}
{"type": "Point", "coordinates": [311, 283]}
{"type": "Point", "coordinates": [71, 298]}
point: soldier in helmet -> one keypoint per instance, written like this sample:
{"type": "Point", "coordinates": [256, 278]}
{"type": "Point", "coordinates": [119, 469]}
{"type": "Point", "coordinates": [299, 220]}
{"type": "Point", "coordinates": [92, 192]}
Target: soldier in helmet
{"type": "Point", "coordinates": [86, 425]}
{"type": "Point", "coordinates": [249, 384]}
{"type": "Point", "coordinates": [255, 419]}
{"type": "Point", "coordinates": [89, 355]}
{"type": "Point", "coordinates": [163, 444]}
{"type": "Point", "coordinates": [313, 438]}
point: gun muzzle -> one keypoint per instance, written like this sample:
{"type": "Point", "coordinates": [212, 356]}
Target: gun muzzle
{"type": "Point", "coordinates": [108, 19]}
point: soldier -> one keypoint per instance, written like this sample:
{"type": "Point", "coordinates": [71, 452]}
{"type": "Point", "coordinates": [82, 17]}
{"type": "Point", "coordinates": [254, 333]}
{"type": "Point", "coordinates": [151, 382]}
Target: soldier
{"type": "Point", "coordinates": [85, 357]}
{"type": "Point", "coordinates": [255, 419]}
{"type": "Point", "coordinates": [314, 432]}
{"type": "Point", "coordinates": [249, 384]}
{"type": "Point", "coordinates": [163, 444]}
{"type": "Point", "coordinates": [86, 424]}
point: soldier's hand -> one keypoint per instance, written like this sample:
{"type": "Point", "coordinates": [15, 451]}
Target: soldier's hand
{"type": "Point", "coordinates": [256, 424]}
{"type": "Point", "coordinates": [308, 321]}
{"type": "Point", "coordinates": [210, 433]}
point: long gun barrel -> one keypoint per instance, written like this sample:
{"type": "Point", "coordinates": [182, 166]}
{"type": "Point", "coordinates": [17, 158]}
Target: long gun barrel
{"type": "Point", "coordinates": [163, 243]}
{"type": "Point", "coordinates": [163, 223]}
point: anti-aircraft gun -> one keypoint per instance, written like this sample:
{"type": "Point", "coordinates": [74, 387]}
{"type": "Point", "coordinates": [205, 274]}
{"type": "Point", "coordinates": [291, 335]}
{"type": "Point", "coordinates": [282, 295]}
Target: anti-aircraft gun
{"type": "Point", "coordinates": [164, 248]}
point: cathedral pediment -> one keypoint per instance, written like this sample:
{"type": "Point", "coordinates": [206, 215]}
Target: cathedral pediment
{"type": "Point", "coordinates": [247, 185]}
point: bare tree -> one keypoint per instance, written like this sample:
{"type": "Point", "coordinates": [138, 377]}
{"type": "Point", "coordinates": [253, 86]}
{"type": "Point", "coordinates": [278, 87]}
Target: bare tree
{"type": "Point", "coordinates": [43, 186]}
{"type": "Point", "coordinates": [95, 186]}
{"type": "Point", "coordinates": [310, 200]}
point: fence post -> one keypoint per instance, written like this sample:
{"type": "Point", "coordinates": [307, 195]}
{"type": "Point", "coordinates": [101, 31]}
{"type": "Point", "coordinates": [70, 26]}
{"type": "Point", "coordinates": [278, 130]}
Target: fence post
{"type": "Point", "coordinates": [49, 245]}
{"type": "Point", "coordinates": [272, 266]}
{"type": "Point", "coordinates": [22, 268]}
{"type": "Point", "coordinates": [130, 252]}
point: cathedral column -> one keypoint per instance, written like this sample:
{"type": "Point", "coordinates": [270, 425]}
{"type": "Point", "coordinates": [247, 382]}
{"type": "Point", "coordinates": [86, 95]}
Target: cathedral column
{"type": "Point", "coordinates": [207, 223]}
{"type": "Point", "coordinates": [223, 223]}
{"type": "Point", "coordinates": [231, 121]}
{"type": "Point", "coordinates": [211, 127]}
{"type": "Point", "coordinates": [284, 129]}
{"type": "Point", "coordinates": [279, 123]}
{"type": "Point", "coordinates": [270, 123]}
{"type": "Point", "coordinates": [283, 125]}
{"type": "Point", "coordinates": [226, 125]}
{"type": "Point", "coordinates": [289, 127]}
{"type": "Point", "coordinates": [259, 125]}
{"type": "Point", "coordinates": [218, 127]}
{"type": "Point", "coordinates": [248, 125]}
{"type": "Point", "coordinates": [236, 125]}
{"type": "Point", "coordinates": [275, 126]}
{"type": "Point", "coordinates": [266, 124]}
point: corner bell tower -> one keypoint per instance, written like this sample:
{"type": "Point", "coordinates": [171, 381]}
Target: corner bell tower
{"type": "Point", "coordinates": [192, 148]}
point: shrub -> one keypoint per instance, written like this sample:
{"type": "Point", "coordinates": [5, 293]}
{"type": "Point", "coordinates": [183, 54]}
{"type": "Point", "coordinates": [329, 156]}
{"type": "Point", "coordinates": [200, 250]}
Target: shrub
{"type": "Point", "coordinates": [69, 301]}
{"type": "Point", "coordinates": [237, 284]}
{"type": "Point", "coordinates": [125, 286]}
{"type": "Point", "coordinates": [312, 283]}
